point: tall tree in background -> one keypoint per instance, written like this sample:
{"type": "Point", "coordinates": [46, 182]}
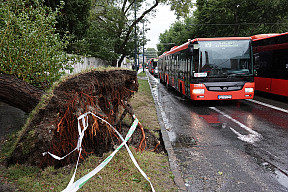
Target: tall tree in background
{"type": "Point", "coordinates": [178, 33]}
{"type": "Point", "coordinates": [218, 18]}
{"type": "Point", "coordinates": [151, 53]}
{"type": "Point", "coordinates": [181, 8]}
{"type": "Point", "coordinates": [110, 35]}
{"type": "Point", "coordinates": [239, 18]}
{"type": "Point", "coordinates": [72, 20]}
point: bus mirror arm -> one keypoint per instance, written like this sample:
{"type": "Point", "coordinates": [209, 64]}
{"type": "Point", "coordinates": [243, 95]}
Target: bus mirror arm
{"type": "Point", "coordinates": [190, 48]}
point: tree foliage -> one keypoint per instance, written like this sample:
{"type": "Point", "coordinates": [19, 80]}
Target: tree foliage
{"type": "Point", "coordinates": [151, 53]}
{"type": "Point", "coordinates": [72, 19]}
{"type": "Point", "coordinates": [181, 8]}
{"type": "Point", "coordinates": [29, 47]}
{"type": "Point", "coordinates": [105, 21]}
{"type": "Point", "coordinates": [112, 23]}
{"type": "Point", "coordinates": [240, 18]}
{"type": "Point", "coordinates": [219, 18]}
{"type": "Point", "coordinates": [178, 33]}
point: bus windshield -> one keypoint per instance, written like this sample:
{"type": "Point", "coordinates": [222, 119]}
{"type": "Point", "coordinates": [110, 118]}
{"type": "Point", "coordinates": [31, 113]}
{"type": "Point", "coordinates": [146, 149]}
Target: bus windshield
{"type": "Point", "coordinates": [155, 63]}
{"type": "Point", "coordinates": [223, 58]}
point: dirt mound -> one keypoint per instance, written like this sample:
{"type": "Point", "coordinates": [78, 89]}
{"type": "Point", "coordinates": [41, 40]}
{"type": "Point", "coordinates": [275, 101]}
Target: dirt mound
{"type": "Point", "coordinates": [53, 126]}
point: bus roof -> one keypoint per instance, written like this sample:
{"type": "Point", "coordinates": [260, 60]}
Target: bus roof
{"type": "Point", "coordinates": [272, 42]}
{"type": "Point", "coordinates": [222, 38]}
{"type": "Point", "coordinates": [266, 36]}
{"type": "Point", "coordinates": [261, 36]}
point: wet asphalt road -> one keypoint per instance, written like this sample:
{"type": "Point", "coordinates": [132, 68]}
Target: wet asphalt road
{"type": "Point", "coordinates": [224, 145]}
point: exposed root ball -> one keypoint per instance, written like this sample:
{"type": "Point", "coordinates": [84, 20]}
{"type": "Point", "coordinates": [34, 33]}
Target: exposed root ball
{"type": "Point", "coordinates": [54, 127]}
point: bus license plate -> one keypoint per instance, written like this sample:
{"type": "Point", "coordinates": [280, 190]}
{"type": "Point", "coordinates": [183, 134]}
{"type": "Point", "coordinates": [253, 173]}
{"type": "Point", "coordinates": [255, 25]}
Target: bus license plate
{"type": "Point", "coordinates": [224, 96]}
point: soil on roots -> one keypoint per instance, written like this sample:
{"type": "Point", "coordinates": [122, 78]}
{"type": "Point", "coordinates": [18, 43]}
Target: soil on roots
{"type": "Point", "coordinates": [54, 126]}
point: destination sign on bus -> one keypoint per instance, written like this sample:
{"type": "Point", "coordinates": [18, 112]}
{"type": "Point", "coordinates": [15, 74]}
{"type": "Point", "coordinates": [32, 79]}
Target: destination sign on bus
{"type": "Point", "coordinates": [220, 44]}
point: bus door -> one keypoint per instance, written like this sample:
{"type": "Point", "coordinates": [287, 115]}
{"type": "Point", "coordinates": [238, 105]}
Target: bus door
{"type": "Point", "coordinates": [194, 63]}
{"type": "Point", "coordinates": [187, 76]}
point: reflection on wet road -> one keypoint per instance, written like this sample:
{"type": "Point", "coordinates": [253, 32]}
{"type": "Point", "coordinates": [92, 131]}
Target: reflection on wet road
{"type": "Point", "coordinates": [226, 146]}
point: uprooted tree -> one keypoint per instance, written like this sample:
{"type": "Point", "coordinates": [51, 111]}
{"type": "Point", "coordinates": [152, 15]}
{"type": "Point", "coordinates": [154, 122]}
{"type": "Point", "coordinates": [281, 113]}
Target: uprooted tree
{"type": "Point", "coordinates": [53, 123]}
{"type": "Point", "coordinates": [32, 59]}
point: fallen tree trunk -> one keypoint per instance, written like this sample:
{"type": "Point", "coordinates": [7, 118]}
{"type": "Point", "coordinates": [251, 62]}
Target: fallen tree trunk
{"type": "Point", "coordinates": [18, 93]}
{"type": "Point", "coordinates": [53, 127]}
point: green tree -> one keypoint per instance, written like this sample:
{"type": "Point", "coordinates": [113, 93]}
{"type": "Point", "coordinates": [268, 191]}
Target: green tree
{"type": "Point", "coordinates": [74, 20]}
{"type": "Point", "coordinates": [215, 18]}
{"type": "Point", "coordinates": [150, 53]}
{"type": "Point", "coordinates": [29, 47]}
{"type": "Point", "coordinates": [219, 18]}
{"type": "Point", "coordinates": [178, 33]}
{"type": "Point", "coordinates": [181, 8]}
{"type": "Point", "coordinates": [111, 32]}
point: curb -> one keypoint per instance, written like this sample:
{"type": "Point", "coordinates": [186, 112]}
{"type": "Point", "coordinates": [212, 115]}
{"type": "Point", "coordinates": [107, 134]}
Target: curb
{"type": "Point", "coordinates": [178, 179]}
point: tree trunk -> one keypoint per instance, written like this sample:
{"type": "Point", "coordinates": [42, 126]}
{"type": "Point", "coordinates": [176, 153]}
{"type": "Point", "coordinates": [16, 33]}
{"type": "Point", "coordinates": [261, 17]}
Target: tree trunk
{"type": "Point", "coordinates": [114, 63]}
{"type": "Point", "coordinates": [121, 60]}
{"type": "Point", "coordinates": [18, 93]}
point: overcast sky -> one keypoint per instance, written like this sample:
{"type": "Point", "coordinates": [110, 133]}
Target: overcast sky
{"type": "Point", "coordinates": [158, 24]}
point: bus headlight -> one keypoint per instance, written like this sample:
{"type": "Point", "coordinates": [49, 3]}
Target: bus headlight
{"type": "Point", "coordinates": [249, 90]}
{"type": "Point", "coordinates": [198, 91]}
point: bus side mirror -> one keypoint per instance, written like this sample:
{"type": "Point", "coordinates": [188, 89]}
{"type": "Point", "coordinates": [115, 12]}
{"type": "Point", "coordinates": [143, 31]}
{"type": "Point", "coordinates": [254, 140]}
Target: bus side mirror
{"type": "Point", "coordinates": [190, 49]}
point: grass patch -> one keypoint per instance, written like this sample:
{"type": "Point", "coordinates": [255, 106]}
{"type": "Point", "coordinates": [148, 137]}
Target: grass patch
{"type": "Point", "coordinates": [144, 106]}
{"type": "Point", "coordinates": [142, 74]}
{"type": "Point", "coordinates": [120, 174]}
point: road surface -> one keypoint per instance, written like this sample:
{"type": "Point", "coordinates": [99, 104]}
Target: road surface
{"type": "Point", "coordinates": [224, 145]}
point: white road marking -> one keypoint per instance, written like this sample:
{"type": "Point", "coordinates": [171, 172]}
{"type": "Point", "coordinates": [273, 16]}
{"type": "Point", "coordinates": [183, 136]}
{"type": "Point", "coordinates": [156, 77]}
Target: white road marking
{"type": "Point", "coordinates": [268, 105]}
{"type": "Point", "coordinates": [252, 137]}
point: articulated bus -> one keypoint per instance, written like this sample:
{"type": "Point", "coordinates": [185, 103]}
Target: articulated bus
{"type": "Point", "coordinates": [152, 65]}
{"type": "Point", "coordinates": [210, 68]}
{"type": "Point", "coordinates": [271, 63]}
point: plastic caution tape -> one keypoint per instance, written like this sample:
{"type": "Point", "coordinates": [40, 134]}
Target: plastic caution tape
{"type": "Point", "coordinates": [74, 186]}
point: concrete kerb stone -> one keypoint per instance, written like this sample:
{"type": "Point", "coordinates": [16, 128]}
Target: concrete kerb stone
{"type": "Point", "coordinates": [178, 179]}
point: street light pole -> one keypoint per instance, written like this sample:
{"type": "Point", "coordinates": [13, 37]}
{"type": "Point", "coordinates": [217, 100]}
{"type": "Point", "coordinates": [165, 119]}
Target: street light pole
{"type": "Point", "coordinates": [143, 66]}
{"type": "Point", "coordinates": [135, 39]}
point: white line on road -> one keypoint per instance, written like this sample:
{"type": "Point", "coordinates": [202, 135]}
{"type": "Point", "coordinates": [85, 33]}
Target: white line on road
{"type": "Point", "coordinates": [268, 105]}
{"type": "Point", "coordinates": [250, 138]}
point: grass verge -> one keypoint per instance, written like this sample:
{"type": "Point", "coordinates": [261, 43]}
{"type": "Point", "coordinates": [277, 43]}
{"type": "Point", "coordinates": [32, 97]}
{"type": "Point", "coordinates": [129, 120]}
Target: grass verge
{"type": "Point", "coordinates": [120, 174]}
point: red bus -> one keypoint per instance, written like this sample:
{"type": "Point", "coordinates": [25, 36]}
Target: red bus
{"type": "Point", "coordinates": [271, 63]}
{"type": "Point", "coordinates": [153, 65]}
{"type": "Point", "coordinates": [210, 68]}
